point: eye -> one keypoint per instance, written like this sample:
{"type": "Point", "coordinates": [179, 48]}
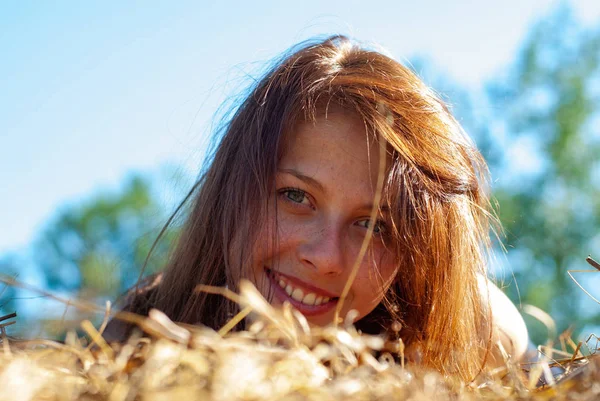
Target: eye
{"type": "Point", "coordinates": [379, 229]}
{"type": "Point", "coordinates": [295, 195]}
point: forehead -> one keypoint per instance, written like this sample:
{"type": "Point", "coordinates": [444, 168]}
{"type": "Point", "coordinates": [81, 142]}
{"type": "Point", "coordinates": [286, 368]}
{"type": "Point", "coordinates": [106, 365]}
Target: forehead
{"type": "Point", "coordinates": [335, 146]}
{"type": "Point", "coordinates": [332, 126]}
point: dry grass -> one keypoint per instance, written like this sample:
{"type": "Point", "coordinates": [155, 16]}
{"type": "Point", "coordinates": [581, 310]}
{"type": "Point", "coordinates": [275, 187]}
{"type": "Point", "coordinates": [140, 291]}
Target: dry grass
{"type": "Point", "coordinates": [280, 357]}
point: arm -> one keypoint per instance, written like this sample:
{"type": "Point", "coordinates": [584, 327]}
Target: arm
{"type": "Point", "coordinates": [507, 324]}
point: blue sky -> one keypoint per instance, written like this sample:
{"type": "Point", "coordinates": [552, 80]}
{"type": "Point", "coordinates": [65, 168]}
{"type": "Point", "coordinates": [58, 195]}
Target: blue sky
{"type": "Point", "coordinates": [93, 90]}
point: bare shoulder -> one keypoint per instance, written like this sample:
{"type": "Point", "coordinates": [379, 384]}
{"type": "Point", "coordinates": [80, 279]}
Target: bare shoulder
{"type": "Point", "coordinates": [507, 323]}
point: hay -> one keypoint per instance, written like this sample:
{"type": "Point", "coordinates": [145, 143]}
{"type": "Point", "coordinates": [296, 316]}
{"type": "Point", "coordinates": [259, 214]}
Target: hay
{"type": "Point", "coordinates": [279, 357]}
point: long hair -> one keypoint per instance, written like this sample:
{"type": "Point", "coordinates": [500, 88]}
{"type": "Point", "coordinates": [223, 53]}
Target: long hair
{"type": "Point", "coordinates": [435, 189]}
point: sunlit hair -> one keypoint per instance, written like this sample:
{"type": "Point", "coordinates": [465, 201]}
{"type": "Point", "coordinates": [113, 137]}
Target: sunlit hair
{"type": "Point", "coordinates": [435, 188]}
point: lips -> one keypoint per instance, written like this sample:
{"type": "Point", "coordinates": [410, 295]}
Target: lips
{"type": "Point", "coordinates": [308, 299]}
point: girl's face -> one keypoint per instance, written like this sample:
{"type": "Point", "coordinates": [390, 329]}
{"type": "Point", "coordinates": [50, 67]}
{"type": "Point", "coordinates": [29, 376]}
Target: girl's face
{"type": "Point", "coordinates": [325, 188]}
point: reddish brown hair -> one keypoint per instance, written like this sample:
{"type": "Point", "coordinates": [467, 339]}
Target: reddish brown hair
{"type": "Point", "coordinates": [435, 189]}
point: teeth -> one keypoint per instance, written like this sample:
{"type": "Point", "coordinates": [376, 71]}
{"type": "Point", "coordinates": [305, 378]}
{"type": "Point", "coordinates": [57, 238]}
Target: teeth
{"type": "Point", "coordinates": [309, 299]}
{"type": "Point", "coordinates": [298, 294]}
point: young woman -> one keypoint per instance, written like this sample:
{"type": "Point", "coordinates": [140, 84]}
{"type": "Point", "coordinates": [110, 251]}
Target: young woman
{"type": "Point", "coordinates": [335, 146]}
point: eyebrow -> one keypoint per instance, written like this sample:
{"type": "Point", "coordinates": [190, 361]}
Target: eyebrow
{"type": "Point", "coordinates": [308, 180]}
{"type": "Point", "coordinates": [383, 209]}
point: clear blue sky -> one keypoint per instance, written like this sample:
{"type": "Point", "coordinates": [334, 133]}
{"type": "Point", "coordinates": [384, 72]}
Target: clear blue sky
{"type": "Point", "coordinates": [92, 90]}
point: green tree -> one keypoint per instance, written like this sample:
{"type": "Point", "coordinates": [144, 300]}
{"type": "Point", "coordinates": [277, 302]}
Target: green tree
{"type": "Point", "coordinates": [547, 107]}
{"type": "Point", "coordinates": [97, 248]}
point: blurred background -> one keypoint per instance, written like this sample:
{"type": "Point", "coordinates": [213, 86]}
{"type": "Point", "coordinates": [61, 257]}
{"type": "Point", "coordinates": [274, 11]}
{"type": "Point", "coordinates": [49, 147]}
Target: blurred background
{"type": "Point", "coordinates": [106, 110]}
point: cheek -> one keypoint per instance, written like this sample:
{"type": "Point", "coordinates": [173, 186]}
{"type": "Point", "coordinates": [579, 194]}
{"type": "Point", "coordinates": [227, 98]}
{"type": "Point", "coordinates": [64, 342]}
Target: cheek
{"type": "Point", "coordinates": [282, 235]}
{"type": "Point", "coordinates": [389, 269]}
{"type": "Point", "coordinates": [374, 279]}
{"type": "Point", "coordinates": [380, 266]}
{"type": "Point", "coordinates": [275, 236]}
{"type": "Point", "coordinates": [262, 246]}
{"type": "Point", "coordinates": [249, 251]}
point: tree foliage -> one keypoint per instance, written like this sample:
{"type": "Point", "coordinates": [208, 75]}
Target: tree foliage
{"type": "Point", "coordinates": [98, 247]}
{"type": "Point", "coordinates": [548, 199]}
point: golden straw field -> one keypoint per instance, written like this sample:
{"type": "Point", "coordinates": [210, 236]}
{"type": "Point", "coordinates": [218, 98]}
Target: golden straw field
{"type": "Point", "coordinates": [279, 358]}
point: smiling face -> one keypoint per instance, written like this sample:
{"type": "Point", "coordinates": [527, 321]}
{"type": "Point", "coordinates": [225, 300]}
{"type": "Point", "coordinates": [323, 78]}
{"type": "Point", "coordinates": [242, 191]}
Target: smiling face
{"type": "Point", "coordinates": [324, 190]}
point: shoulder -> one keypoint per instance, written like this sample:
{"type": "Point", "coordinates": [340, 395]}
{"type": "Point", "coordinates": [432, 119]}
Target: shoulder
{"type": "Point", "coordinates": [508, 326]}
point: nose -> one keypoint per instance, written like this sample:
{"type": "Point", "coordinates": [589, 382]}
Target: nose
{"type": "Point", "coordinates": [323, 251]}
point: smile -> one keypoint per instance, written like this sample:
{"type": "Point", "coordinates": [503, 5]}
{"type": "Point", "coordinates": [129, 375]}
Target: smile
{"type": "Point", "coordinates": [306, 300]}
